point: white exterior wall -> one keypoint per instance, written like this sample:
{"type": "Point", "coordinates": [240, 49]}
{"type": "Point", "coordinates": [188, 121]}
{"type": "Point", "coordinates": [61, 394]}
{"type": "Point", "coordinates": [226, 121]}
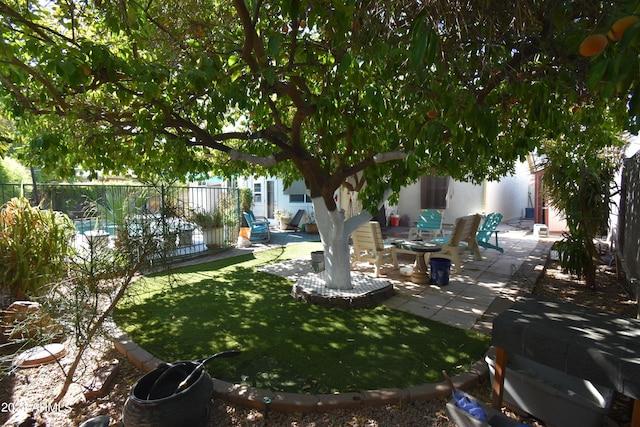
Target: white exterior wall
{"type": "Point", "coordinates": [464, 198]}
{"type": "Point", "coordinates": [508, 196]}
{"type": "Point", "coordinates": [259, 207]}
{"type": "Point", "coordinates": [200, 199]}
{"type": "Point", "coordinates": [409, 203]}
{"type": "Point", "coordinates": [556, 221]}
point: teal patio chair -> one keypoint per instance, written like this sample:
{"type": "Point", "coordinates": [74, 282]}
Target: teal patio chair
{"type": "Point", "coordinates": [262, 221]}
{"type": "Point", "coordinates": [430, 222]}
{"type": "Point", "coordinates": [487, 230]}
{"type": "Point", "coordinates": [259, 230]}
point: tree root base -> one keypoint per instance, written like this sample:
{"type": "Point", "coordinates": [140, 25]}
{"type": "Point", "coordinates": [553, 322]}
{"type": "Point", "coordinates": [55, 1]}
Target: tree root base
{"type": "Point", "coordinates": [366, 291]}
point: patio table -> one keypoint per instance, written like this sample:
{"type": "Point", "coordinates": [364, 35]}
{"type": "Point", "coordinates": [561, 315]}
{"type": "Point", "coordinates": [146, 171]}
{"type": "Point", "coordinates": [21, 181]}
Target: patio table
{"type": "Point", "coordinates": [419, 274]}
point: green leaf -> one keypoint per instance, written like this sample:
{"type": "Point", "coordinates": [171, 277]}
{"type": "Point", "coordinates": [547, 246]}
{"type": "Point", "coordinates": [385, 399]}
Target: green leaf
{"type": "Point", "coordinates": [631, 36]}
{"type": "Point", "coordinates": [67, 68]}
{"type": "Point", "coordinates": [345, 63]}
{"type": "Point", "coordinates": [418, 47]}
{"type": "Point", "coordinates": [294, 9]}
{"type": "Point", "coordinates": [236, 73]}
{"type": "Point", "coordinates": [233, 60]}
{"type": "Point", "coordinates": [432, 46]}
{"type": "Point", "coordinates": [424, 42]}
{"type": "Point", "coordinates": [270, 75]}
{"type": "Point", "coordinates": [274, 44]}
{"type": "Point", "coordinates": [607, 90]}
{"type": "Point", "coordinates": [597, 72]}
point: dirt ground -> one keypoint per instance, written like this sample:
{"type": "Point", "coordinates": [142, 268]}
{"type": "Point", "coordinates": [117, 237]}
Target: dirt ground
{"type": "Point", "coordinates": [24, 396]}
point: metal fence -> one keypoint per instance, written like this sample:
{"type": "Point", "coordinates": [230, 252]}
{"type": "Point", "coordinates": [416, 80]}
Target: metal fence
{"type": "Point", "coordinates": [176, 212]}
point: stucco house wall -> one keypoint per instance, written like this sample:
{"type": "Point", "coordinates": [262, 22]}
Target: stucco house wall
{"type": "Point", "coordinates": [509, 196]}
{"type": "Point", "coordinates": [463, 198]}
{"type": "Point", "coordinates": [512, 194]}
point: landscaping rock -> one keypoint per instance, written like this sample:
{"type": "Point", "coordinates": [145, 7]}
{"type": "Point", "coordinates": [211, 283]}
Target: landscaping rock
{"type": "Point", "coordinates": [103, 381]}
{"type": "Point", "coordinates": [26, 319]}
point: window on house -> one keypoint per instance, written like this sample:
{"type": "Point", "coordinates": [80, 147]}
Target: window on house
{"type": "Point", "coordinates": [257, 193]}
{"type": "Point", "coordinates": [433, 192]}
{"type": "Point", "coordinates": [299, 198]}
{"type": "Point", "coordinates": [297, 192]}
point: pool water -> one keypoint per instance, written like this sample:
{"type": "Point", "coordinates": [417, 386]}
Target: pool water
{"type": "Point", "coordinates": [84, 225]}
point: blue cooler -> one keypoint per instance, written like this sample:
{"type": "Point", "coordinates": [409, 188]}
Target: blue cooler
{"type": "Point", "coordinates": [439, 271]}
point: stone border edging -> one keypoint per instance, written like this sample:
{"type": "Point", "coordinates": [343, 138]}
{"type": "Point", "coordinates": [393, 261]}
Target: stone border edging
{"type": "Point", "coordinates": [253, 397]}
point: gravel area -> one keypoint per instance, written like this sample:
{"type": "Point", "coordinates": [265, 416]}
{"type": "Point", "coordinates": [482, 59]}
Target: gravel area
{"type": "Point", "coordinates": [428, 413]}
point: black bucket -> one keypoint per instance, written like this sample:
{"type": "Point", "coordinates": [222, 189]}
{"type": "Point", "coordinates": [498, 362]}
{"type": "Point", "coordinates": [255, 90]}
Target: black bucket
{"type": "Point", "coordinates": [158, 405]}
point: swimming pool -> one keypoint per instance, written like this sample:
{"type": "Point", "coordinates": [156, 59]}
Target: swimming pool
{"type": "Point", "coordinates": [89, 224]}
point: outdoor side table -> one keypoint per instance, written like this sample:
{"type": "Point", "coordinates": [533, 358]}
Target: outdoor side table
{"type": "Point", "coordinates": [594, 345]}
{"type": "Point", "coordinates": [419, 274]}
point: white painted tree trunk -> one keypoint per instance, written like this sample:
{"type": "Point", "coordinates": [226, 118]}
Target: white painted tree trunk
{"type": "Point", "coordinates": [334, 234]}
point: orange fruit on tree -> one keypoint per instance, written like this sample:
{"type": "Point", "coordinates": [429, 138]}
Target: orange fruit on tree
{"type": "Point", "coordinates": [593, 45]}
{"type": "Point", "coordinates": [432, 114]}
{"type": "Point", "coordinates": [620, 26]}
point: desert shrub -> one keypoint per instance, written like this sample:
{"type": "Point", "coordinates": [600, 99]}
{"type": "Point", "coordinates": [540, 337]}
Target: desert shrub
{"type": "Point", "coordinates": [34, 245]}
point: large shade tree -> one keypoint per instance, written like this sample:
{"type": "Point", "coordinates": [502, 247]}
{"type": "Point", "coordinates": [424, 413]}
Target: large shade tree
{"type": "Point", "coordinates": [613, 42]}
{"type": "Point", "coordinates": [367, 94]}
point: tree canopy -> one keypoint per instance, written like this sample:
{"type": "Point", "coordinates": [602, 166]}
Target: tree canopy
{"type": "Point", "coordinates": [375, 92]}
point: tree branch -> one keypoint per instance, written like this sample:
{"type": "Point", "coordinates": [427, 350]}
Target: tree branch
{"type": "Point", "coordinates": [46, 83]}
{"type": "Point", "coordinates": [8, 11]}
{"type": "Point", "coordinates": [390, 156]}
{"type": "Point", "coordinates": [252, 42]}
{"type": "Point", "coordinates": [514, 63]}
{"type": "Point", "coordinates": [267, 161]}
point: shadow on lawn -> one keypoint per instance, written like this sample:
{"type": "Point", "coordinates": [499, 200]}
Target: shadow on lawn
{"type": "Point", "coordinates": [288, 345]}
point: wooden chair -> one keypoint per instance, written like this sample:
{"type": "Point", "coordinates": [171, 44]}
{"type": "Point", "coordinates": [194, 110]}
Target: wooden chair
{"type": "Point", "coordinates": [487, 230]}
{"type": "Point", "coordinates": [461, 239]}
{"type": "Point", "coordinates": [369, 247]}
{"type": "Point", "coordinates": [429, 222]}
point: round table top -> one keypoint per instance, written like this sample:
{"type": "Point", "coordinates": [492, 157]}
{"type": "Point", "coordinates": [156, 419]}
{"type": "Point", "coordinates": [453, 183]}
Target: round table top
{"type": "Point", "coordinates": [419, 246]}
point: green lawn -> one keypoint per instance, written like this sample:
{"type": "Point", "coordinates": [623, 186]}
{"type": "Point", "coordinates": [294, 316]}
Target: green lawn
{"type": "Point", "coordinates": [288, 345]}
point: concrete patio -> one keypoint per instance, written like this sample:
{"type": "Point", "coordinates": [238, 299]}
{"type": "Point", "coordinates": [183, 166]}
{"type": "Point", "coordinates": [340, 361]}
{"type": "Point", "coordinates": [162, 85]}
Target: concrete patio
{"type": "Point", "coordinates": [473, 297]}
